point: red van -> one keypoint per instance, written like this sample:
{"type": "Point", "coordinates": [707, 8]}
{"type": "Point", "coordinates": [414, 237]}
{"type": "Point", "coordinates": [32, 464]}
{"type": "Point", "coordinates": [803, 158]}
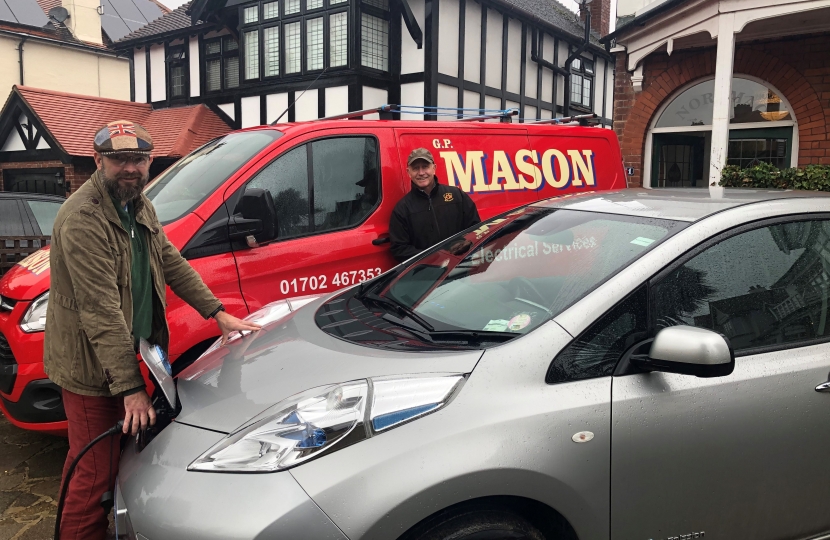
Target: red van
{"type": "Point", "coordinates": [277, 212]}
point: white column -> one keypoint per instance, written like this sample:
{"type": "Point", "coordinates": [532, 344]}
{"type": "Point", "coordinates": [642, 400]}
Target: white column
{"type": "Point", "coordinates": [722, 101]}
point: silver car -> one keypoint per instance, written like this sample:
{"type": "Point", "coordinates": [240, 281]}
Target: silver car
{"type": "Point", "coordinates": [630, 365]}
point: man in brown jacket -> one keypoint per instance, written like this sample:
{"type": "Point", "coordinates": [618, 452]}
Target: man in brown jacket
{"type": "Point", "coordinates": [110, 263]}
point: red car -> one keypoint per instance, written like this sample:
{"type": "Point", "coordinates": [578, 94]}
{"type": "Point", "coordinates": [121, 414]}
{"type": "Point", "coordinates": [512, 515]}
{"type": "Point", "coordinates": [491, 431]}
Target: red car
{"type": "Point", "coordinates": [271, 213]}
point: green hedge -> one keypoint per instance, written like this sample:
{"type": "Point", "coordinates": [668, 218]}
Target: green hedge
{"type": "Point", "coordinates": [766, 176]}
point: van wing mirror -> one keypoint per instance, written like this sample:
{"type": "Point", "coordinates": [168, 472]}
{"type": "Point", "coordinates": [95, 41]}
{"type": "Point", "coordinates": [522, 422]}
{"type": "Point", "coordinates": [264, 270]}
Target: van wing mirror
{"type": "Point", "coordinates": [690, 351]}
{"type": "Point", "coordinates": [255, 216]}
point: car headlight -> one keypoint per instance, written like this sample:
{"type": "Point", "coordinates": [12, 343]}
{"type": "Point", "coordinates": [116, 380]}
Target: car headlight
{"type": "Point", "coordinates": [313, 422]}
{"type": "Point", "coordinates": [34, 320]}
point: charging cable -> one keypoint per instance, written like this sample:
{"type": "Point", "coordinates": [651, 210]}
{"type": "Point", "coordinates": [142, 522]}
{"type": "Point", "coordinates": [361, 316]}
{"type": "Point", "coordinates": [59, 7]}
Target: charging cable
{"type": "Point", "coordinates": [107, 498]}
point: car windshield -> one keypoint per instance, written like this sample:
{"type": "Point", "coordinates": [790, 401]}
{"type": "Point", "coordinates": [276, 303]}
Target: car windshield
{"type": "Point", "coordinates": [44, 213]}
{"type": "Point", "coordinates": [517, 271]}
{"type": "Point", "coordinates": [182, 187]}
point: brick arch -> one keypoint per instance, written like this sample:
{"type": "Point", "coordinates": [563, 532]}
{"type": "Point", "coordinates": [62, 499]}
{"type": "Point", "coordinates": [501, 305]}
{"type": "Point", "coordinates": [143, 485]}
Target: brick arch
{"type": "Point", "coordinates": [810, 116]}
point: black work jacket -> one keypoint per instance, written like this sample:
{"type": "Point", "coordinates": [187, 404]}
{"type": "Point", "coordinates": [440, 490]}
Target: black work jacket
{"type": "Point", "coordinates": [420, 220]}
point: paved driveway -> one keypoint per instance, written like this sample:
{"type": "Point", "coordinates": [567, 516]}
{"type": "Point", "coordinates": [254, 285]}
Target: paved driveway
{"type": "Point", "coordinates": [30, 473]}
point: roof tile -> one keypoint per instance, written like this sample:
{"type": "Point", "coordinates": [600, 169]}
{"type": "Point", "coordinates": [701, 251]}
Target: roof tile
{"type": "Point", "coordinates": [177, 19]}
{"type": "Point", "coordinates": [175, 131]}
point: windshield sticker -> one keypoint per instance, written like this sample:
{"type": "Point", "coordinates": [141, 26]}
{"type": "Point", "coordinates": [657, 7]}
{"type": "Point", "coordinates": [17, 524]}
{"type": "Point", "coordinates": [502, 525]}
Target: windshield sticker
{"type": "Point", "coordinates": [496, 325]}
{"type": "Point", "coordinates": [642, 241]}
{"type": "Point", "coordinates": [518, 322]}
{"type": "Point", "coordinates": [36, 263]}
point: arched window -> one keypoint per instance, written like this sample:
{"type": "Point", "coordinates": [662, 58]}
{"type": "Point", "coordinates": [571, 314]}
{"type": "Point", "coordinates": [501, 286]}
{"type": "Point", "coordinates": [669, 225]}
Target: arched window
{"type": "Point", "coordinates": [679, 140]}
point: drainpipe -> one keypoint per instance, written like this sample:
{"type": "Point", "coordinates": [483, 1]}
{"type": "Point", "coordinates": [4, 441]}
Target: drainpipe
{"type": "Point", "coordinates": [20, 54]}
{"type": "Point", "coordinates": [576, 54]}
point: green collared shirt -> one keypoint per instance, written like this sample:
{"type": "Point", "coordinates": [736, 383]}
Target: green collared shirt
{"type": "Point", "coordinates": [140, 278]}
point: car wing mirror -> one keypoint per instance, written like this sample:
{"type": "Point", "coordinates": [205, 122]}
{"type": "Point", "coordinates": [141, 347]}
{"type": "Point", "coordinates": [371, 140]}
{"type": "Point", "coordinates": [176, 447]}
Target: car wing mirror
{"type": "Point", "coordinates": [690, 351]}
{"type": "Point", "coordinates": [255, 219]}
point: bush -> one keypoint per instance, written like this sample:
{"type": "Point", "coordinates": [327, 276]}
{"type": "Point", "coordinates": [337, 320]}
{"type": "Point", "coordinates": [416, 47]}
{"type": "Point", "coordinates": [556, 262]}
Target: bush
{"type": "Point", "coordinates": [766, 176]}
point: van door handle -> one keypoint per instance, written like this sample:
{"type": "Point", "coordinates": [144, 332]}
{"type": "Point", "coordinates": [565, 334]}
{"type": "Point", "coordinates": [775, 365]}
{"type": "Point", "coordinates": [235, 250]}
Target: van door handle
{"type": "Point", "coordinates": [823, 387]}
{"type": "Point", "coordinates": [381, 241]}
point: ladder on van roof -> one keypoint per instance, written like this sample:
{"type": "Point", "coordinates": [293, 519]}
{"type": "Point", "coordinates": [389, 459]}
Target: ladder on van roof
{"type": "Point", "coordinates": [459, 114]}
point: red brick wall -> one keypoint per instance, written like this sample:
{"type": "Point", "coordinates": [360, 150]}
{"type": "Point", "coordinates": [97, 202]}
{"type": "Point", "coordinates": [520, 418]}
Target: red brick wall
{"type": "Point", "coordinates": [76, 173]}
{"type": "Point", "coordinates": [799, 68]}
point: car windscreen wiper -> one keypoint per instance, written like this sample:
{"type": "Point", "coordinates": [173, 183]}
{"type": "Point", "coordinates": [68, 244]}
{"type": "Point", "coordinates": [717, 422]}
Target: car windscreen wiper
{"type": "Point", "coordinates": [477, 335]}
{"type": "Point", "coordinates": [400, 309]}
{"type": "Point", "coordinates": [367, 286]}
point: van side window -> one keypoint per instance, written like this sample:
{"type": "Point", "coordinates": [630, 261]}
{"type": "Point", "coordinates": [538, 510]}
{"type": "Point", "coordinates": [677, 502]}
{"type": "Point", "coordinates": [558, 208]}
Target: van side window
{"type": "Point", "coordinates": [287, 180]}
{"type": "Point", "coordinates": [339, 190]}
{"type": "Point", "coordinates": [346, 178]}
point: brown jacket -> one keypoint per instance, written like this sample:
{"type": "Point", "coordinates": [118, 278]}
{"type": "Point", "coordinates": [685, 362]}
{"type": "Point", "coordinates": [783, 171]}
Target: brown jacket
{"type": "Point", "coordinates": [88, 345]}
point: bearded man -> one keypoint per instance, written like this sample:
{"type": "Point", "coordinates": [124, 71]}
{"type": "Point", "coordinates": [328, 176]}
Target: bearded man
{"type": "Point", "coordinates": [110, 264]}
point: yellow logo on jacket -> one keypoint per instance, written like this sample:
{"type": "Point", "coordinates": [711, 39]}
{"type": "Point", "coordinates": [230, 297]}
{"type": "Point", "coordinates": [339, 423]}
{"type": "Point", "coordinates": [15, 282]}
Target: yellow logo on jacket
{"type": "Point", "coordinates": [447, 197]}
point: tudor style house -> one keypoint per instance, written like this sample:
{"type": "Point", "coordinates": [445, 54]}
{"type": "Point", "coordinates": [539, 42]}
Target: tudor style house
{"type": "Point", "coordinates": [262, 61]}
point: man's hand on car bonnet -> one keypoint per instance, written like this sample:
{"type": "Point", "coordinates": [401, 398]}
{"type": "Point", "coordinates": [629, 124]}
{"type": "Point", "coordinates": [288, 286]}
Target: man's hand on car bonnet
{"type": "Point", "coordinates": [228, 323]}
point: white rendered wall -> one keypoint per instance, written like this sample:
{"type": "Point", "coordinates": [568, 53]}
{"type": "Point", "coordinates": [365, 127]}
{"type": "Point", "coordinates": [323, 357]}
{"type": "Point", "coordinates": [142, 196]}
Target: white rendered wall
{"type": "Point", "coordinates": [158, 74]}
{"type": "Point", "coordinates": [307, 107]}
{"type": "Point", "coordinates": [250, 111]}
{"type": "Point", "coordinates": [275, 105]}
{"type": "Point", "coordinates": [530, 112]}
{"type": "Point", "coordinates": [412, 94]}
{"type": "Point", "coordinates": [471, 99]}
{"type": "Point", "coordinates": [447, 97]}
{"type": "Point", "coordinates": [412, 58]}
{"type": "Point", "coordinates": [373, 97]}
{"type": "Point", "coordinates": [472, 42]}
{"type": "Point", "coordinates": [228, 109]}
{"type": "Point", "coordinates": [609, 92]}
{"type": "Point", "coordinates": [514, 56]}
{"type": "Point", "coordinates": [560, 90]}
{"type": "Point", "coordinates": [193, 56]}
{"type": "Point", "coordinates": [337, 100]}
{"type": "Point", "coordinates": [599, 85]}
{"type": "Point", "coordinates": [448, 21]}
{"type": "Point", "coordinates": [495, 28]}
{"type": "Point", "coordinates": [140, 75]}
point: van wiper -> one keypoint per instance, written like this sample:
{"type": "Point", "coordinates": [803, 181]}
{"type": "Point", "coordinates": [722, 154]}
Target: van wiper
{"type": "Point", "coordinates": [400, 309]}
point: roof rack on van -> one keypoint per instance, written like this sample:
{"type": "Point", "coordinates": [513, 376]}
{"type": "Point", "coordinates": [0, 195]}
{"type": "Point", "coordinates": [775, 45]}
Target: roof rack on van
{"type": "Point", "coordinates": [460, 114]}
{"type": "Point", "coordinates": [582, 119]}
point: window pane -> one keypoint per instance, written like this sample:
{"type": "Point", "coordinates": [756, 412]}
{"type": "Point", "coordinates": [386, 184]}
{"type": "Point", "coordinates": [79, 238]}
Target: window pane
{"type": "Point", "coordinates": [576, 64]}
{"type": "Point", "coordinates": [271, 37]}
{"type": "Point", "coordinates": [293, 48]}
{"type": "Point", "coordinates": [374, 42]}
{"type": "Point", "coordinates": [213, 47]}
{"type": "Point", "coordinates": [589, 67]}
{"type": "Point", "coordinates": [382, 4]}
{"type": "Point", "coordinates": [345, 181]}
{"type": "Point", "coordinates": [212, 75]}
{"type": "Point", "coordinates": [271, 10]}
{"type": "Point", "coordinates": [287, 180]}
{"type": "Point", "coordinates": [596, 352]}
{"type": "Point", "coordinates": [586, 92]}
{"type": "Point", "coordinates": [177, 81]}
{"type": "Point", "coordinates": [250, 14]}
{"type": "Point", "coordinates": [232, 72]}
{"type": "Point", "coordinates": [313, 4]}
{"type": "Point", "coordinates": [292, 6]}
{"type": "Point", "coordinates": [576, 89]}
{"type": "Point", "coordinates": [231, 44]}
{"type": "Point", "coordinates": [252, 55]}
{"type": "Point", "coordinates": [338, 39]}
{"type": "Point", "coordinates": [335, 2]}
{"type": "Point", "coordinates": [314, 43]}
{"type": "Point", "coordinates": [764, 287]}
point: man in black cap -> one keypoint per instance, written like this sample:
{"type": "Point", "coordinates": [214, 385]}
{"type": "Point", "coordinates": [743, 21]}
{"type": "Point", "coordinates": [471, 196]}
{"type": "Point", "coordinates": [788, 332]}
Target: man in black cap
{"type": "Point", "coordinates": [430, 212]}
{"type": "Point", "coordinates": [111, 263]}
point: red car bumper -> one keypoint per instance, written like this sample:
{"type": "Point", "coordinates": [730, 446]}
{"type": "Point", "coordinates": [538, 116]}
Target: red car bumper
{"type": "Point", "coordinates": [27, 397]}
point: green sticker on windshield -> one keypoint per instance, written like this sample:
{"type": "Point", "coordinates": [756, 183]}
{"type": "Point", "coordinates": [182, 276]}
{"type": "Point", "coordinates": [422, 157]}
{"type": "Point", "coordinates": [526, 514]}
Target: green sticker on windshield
{"type": "Point", "coordinates": [496, 325]}
{"type": "Point", "coordinates": [642, 241]}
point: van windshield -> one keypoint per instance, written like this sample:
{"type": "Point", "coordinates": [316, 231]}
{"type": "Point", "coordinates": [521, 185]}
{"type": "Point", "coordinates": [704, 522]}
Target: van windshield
{"type": "Point", "coordinates": [182, 187]}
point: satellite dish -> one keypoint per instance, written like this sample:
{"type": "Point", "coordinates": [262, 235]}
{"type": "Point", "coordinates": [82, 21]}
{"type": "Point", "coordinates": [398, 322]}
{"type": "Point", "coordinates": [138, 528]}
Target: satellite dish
{"type": "Point", "coordinates": [59, 13]}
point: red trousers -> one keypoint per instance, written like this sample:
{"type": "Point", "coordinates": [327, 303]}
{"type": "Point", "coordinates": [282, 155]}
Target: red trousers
{"type": "Point", "coordinates": [83, 517]}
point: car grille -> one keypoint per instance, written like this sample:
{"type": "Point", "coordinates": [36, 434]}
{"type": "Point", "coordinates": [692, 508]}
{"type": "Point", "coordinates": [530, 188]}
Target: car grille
{"type": "Point", "coordinates": [8, 366]}
{"type": "Point", "coordinates": [7, 304]}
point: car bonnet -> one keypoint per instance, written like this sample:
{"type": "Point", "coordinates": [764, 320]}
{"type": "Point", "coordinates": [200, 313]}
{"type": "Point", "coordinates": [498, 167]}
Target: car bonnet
{"type": "Point", "coordinates": [229, 386]}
